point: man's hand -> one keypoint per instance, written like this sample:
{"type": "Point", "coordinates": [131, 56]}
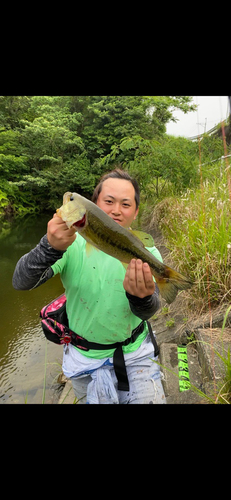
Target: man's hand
{"type": "Point", "coordinates": [138, 279]}
{"type": "Point", "coordinates": [58, 234]}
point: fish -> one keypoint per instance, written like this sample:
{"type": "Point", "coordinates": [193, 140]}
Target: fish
{"type": "Point", "coordinates": [105, 234]}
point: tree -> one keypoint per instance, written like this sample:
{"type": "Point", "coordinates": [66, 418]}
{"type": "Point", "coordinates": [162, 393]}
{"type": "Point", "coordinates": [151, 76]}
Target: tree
{"type": "Point", "coordinates": [170, 159]}
{"type": "Point", "coordinates": [49, 144]}
{"type": "Point", "coordinates": [108, 119]}
{"type": "Point", "coordinates": [12, 110]}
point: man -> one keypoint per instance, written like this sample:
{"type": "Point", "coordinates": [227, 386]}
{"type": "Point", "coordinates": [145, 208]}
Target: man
{"type": "Point", "coordinates": [105, 303]}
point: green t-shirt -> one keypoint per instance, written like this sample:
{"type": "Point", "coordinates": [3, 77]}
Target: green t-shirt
{"type": "Point", "coordinates": [97, 306]}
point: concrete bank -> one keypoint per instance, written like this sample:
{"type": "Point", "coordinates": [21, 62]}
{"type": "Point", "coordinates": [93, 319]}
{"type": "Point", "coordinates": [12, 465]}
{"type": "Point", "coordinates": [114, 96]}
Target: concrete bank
{"type": "Point", "coordinates": [67, 396]}
{"type": "Point", "coordinates": [205, 347]}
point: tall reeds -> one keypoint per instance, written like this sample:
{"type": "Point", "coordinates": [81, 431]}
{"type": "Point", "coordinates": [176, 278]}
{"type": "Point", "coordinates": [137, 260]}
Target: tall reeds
{"type": "Point", "coordinates": [185, 226]}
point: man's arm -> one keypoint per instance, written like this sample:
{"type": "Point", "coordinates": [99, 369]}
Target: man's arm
{"type": "Point", "coordinates": [144, 308]}
{"type": "Point", "coordinates": [34, 268]}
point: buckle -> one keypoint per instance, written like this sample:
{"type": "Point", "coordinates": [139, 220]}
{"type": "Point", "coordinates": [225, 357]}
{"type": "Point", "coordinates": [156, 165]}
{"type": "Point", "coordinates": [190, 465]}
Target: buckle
{"type": "Point", "coordinates": [66, 338]}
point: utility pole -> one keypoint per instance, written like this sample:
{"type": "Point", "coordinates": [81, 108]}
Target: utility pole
{"type": "Point", "coordinates": [203, 125]}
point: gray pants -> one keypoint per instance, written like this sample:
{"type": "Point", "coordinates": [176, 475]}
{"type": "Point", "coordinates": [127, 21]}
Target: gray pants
{"type": "Point", "coordinates": [145, 384]}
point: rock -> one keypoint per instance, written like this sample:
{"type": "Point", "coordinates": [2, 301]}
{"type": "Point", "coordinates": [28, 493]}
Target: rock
{"type": "Point", "coordinates": [68, 395]}
{"type": "Point", "coordinates": [169, 362]}
{"type": "Point", "coordinates": [210, 344]}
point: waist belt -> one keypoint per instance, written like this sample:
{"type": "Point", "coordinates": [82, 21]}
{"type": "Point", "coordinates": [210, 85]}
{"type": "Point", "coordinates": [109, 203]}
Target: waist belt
{"type": "Point", "coordinates": [118, 357]}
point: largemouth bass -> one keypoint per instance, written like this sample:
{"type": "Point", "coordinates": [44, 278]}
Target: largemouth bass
{"type": "Point", "coordinates": [101, 231]}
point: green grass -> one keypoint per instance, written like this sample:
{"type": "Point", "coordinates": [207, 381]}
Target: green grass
{"type": "Point", "coordinates": [197, 229]}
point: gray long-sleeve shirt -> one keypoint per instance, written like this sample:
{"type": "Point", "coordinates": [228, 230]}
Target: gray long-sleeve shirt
{"type": "Point", "coordinates": [34, 268]}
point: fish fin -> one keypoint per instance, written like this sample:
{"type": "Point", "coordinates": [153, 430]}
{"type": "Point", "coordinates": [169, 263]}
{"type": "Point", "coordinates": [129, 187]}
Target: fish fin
{"type": "Point", "coordinates": [170, 286]}
{"type": "Point", "coordinates": [90, 248]}
{"type": "Point", "coordinates": [145, 238]}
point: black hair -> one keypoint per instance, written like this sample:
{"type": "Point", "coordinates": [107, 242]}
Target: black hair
{"type": "Point", "coordinates": [117, 173]}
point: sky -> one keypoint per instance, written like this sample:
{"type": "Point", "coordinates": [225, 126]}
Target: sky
{"type": "Point", "coordinates": [211, 111]}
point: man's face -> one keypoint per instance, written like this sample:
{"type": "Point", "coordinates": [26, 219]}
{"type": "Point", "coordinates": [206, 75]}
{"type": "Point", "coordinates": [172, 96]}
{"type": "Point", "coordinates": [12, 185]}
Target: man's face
{"type": "Point", "coordinates": [117, 199]}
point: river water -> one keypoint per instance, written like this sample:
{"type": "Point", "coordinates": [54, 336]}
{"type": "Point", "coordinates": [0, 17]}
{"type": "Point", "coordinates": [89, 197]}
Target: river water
{"type": "Point", "coordinates": [25, 354]}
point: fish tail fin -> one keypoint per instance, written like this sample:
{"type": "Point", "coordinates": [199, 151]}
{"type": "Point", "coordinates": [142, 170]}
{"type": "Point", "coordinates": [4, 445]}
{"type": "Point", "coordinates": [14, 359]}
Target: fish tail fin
{"type": "Point", "coordinates": [170, 286]}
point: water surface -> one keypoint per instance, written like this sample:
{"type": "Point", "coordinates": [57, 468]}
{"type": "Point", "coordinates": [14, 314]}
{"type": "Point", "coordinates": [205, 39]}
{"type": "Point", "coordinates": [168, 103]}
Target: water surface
{"type": "Point", "coordinates": [23, 346]}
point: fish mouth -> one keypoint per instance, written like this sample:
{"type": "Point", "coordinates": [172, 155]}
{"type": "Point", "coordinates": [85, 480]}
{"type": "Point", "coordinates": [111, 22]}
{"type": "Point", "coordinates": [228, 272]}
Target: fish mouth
{"type": "Point", "coordinates": [80, 223]}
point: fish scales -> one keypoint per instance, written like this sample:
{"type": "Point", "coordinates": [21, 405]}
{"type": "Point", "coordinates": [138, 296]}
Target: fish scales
{"type": "Point", "coordinates": [122, 243]}
{"type": "Point", "coordinates": [104, 233]}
